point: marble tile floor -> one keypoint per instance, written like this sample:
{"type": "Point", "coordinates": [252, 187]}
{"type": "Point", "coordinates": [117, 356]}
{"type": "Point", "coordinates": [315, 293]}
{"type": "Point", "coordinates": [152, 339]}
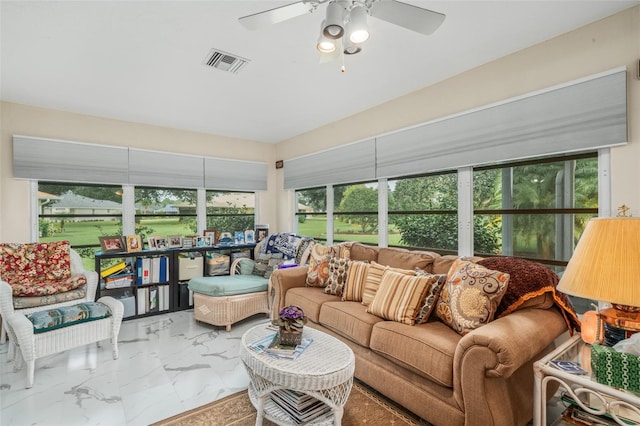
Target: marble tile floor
{"type": "Point", "coordinates": [167, 364]}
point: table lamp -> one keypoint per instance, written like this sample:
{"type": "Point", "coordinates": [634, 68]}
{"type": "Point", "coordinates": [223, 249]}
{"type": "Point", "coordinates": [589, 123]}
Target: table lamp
{"type": "Point", "coordinates": [605, 267]}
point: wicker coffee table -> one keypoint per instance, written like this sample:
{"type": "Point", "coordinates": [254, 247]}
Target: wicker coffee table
{"type": "Point", "coordinates": [324, 371]}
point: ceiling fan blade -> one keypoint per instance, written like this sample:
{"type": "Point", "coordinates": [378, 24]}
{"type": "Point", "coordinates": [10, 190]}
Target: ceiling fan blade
{"type": "Point", "coordinates": [423, 21]}
{"type": "Point", "coordinates": [279, 14]}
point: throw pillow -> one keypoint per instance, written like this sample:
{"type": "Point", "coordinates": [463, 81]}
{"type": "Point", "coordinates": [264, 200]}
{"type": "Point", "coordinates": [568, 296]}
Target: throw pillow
{"type": "Point", "coordinates": [356, 277]}
{"type": "Point", "coordinates": [434, 286]}
{"type": "Point", "coordinates": [338, 271]}
{"type": "Point", "coordinates": [35, 262]}
{"type": "Point", "coordinates": [318, 271]}
{"type": "Point", "coordinates": [372, 282]}
{"type": "Point", "coordinates": [470, 296]}
{"type": "Point", "coordinates": [246, 266]}
{"type": "Point", "coordinates": [266, 263]}
{"type": "Point", "coordinates": [399, 297]}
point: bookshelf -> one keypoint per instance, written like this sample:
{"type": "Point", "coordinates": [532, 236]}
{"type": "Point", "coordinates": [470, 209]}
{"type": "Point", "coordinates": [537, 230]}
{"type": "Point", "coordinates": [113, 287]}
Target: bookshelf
{"type": "Point", "coordinates": [151, 282]}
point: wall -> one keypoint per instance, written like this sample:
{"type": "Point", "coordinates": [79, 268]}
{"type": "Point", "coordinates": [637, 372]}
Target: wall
{"type": "Point", "coordinates": [47, 123]}
{"type": "Point", "coordinates": [609, 43]}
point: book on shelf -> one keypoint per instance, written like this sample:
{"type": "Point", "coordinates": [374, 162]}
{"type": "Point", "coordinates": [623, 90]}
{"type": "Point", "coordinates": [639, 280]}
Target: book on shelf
{"type": "Point", "coordinates": [118, 281]}
{"type": "Point", "coordinates": [270, 345]}
{"type": "Point", "coordinates": [113, 269]}
{"type": "Point", "coordinates": [154, 299]}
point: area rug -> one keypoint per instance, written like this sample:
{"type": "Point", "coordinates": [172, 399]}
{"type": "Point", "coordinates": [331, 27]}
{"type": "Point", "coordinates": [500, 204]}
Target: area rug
{"type": "Point", "coordinates": [365, 406]}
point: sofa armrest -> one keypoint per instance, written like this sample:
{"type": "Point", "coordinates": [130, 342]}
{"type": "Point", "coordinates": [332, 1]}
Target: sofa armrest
{"type": "Point", "coordinates": [499, 357]}
{"type": "Point", "coordinates": [281, 281]}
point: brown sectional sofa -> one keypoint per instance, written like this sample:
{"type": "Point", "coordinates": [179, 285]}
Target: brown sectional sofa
{"type": "Point", "coordinates": [482, 378]}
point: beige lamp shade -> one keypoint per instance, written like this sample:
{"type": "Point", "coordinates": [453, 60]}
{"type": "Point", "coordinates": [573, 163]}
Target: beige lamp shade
{"type": "Point", "coordinates": [606, 263]}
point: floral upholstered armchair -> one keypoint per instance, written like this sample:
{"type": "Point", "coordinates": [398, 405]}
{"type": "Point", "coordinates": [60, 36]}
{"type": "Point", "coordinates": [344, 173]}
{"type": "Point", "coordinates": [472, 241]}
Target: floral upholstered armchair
{"type": "Point", "coordinates": [43, 276]}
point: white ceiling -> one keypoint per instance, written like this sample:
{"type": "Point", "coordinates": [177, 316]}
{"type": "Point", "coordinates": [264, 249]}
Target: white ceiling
{"type": "Point", "coordinates": [142, 61]}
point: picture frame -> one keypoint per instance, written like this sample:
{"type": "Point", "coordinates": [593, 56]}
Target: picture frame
{"type": "Point", "coordinates": [134, 243]}
{"type": "Point", "coordinates": [249, 236]}
{"type": "Point", "coordinates": [226, 238]}
{"type": "Point", "coordinates": [161, 243]}
{"type": "Point", "coordinates": [151, 242]}
{"type": "Point", "coordinates": [174, 241]}
{"type": "Point", "coordinates": [112, 244]}
{"type": "Point", "coordinates": [261, 232]}
{"type": "Point", "coordinates": [211, 233]}
{"type": "Point", "coordinates": [187, 242]}
{"type": "Point", "coordinates": [238, 237]}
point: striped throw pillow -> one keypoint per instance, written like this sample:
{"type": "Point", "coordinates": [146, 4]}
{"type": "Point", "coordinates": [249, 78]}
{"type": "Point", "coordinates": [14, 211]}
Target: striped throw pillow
{"type": "Point", "coordinates": [399, 297]}
{"type": "Point", "coordinates": [372, 282]}
{"type": "Point", "coordinates": [354, 286]}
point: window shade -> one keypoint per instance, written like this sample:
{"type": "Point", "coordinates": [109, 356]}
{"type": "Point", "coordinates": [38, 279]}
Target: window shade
{"type": "Point", "coordinates": [63, 161]}
{"type": "Point", "coordinates": [234, 175]}
{"type": "Point", "coordinates": [349, 163]}
{"type": "Point", "coordinates": [587, 115]}
{"type": "Point", "coordinates": [165, 169]}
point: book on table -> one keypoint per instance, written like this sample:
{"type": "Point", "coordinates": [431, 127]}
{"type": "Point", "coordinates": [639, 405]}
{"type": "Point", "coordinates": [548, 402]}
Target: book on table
{"type": "Point", "coordinates": [270, 345]}
{"type": "Point", "coordinates": [302, 408]}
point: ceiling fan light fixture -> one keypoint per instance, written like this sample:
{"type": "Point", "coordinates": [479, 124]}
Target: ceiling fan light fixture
{"type": "Point", "coordinates": [358, 28]}
{"type": "Point", "coordinates": [352, 49]}
{"type": "Point", "coordinates": [325, 45]}
{"type": "Point", "coordinates": [333, 26]}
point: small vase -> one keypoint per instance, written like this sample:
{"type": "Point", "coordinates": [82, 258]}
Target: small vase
{"type": "Point", "coordinates": [290, 338]}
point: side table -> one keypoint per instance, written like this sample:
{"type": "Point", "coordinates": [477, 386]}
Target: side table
{"type": "Point", "coordinates": [577, 385]}
{"type": "Point", "coordinates": [324, 371]}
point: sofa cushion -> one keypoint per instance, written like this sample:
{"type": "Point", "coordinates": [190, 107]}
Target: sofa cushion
{"type": "Point", "coordinates": [318, 271]}
{"type": "Point", "coordinates": [67, 315]}
{"type": "Point", "coordinates": [364, 252]}
{"type": "Point", "coordinates": [309, 299]}
{"type": "Point", "coordinates": [350, 320]}
{"type": "Point", "coordinates": [436, 282]}
{"type": "Point", "coordinates": [406, 259]}
{"type": "Point", "coordinates": [470, 296]}
{"type": "Point", "coordinates": [338, 270]}
{"type": "Point", "coordinates": [25, 302]}
{"type": "Point", "coordinates": [399, 297]}
{"type": "Point", "coordinates": [427, 349]}
{"type": "Point", "coordinates": [374, 276]}
{"type": "Point", "coordinates": [354, 287]}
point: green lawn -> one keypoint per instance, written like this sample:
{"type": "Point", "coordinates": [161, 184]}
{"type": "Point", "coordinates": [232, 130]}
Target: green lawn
{"type": "Point", "coordinates": [316, 227]}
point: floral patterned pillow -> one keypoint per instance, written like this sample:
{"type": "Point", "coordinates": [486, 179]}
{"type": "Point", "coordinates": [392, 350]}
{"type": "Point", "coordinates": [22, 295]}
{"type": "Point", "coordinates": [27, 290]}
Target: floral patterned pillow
{"type": "Point", "coordinates": [35, 269]}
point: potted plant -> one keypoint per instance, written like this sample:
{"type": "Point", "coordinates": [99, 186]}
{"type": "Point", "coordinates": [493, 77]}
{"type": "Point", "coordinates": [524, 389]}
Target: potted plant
{"type": "Point", "coordinates": [290, 323]}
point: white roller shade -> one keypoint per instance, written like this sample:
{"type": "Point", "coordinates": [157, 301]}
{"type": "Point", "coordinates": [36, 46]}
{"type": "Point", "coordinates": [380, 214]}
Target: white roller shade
{"type": "Point", "coordinates": [234, 175]}
{"type": "Point", "coordinates": [355, 162]}
{"type": "Point", "coordinates": [579, 116]}
{"type": "Point", "coordinates": [165, 169]}
{"type": "Point", "coordinates": [65, 161]}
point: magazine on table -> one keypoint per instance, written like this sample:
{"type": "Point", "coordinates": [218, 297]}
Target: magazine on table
{"type": "Point", "coordinates": [270, 345]}
{"type": "Point", "coordinates": [311, 409]}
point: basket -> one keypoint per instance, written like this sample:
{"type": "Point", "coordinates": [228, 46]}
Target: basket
{"type": "Point", "coordinates": [617, 369]}
{"type": "Point", "coordinates": [289, 338]}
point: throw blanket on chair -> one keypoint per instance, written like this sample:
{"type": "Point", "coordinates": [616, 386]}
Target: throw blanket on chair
{"type": "Point", "coordinates": [529, 280]}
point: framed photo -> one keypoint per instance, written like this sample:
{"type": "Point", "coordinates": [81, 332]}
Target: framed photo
{"type": "Point", "coordinates": [238, 237]}
{"type": "Point", "coordinates": [134, 243]}
{"type": "Point", "coordinates": [112, 244]}
{"type": "Point", "coordinates": [226, 237]}
{"type": "Point", "coordinates": [249, 236]}
{"type": "Point", "coordinates": [261, 232]}
{"type": "Point", "coordinates": [188, 242]}
{"type": "Point", "coordinates": [151, 241]}
{"type": "Point", "coordinates": [161, 243]}
{"type": "Point", "coordinates": [174, 241]}
{"type": "Point", "coordinates": [211, 233]}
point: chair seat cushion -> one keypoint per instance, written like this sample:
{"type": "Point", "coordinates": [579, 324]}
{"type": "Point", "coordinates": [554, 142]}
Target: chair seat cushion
{"type": "Point", "coordinates": [52, 319]}
{"type": "Point", "coordinates": [43, 286]}
{"type": "Point", "coordinates": [228, 285]}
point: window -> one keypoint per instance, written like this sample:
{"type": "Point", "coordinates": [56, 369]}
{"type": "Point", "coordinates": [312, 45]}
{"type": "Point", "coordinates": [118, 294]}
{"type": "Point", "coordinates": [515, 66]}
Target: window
{"type": "Point", "coordinates": [79, 214]}
{"type": "Point", "coordinates": [230, 211]}
{"type": "Point", "coordinates": [535, 209]}
{"type": "Point", "coordinates": [355, 216]}
{"type": "Point", "coordinates": [423, 212]}
{"type": "Point", "coordinates": [162, 212]}
{"type": "Point", "coordinates": [311, 213]}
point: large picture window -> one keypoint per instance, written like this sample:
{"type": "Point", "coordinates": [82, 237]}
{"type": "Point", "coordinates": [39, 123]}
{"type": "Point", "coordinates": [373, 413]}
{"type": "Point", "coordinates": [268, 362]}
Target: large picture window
{"type": "Point", "coordinates": [311, 213]}
{"type": "Point", "coordinates": [162, 212]}
{"type": "Point", "coordinates": [230, 211]}
{"type": "Point", "coordinates": [423, 212]}
{"type": "Point", "coordinates": [355, 213]}
{"type": "Point", "coordinates": [535, 209]}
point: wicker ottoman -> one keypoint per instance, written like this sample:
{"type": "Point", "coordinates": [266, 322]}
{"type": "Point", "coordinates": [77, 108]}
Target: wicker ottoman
{"type": "Point", "coordinates": [32, 345]}
{"type": "Point", "coordinates": [225, 300]}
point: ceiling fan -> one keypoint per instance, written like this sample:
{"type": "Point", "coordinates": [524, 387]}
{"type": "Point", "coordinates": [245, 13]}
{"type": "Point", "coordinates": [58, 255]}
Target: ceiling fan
{"type": "Point", "coordinates": [345, 25]}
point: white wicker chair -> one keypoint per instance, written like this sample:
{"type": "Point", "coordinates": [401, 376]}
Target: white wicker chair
{"type": "Point", "coordinates": [76, 268]}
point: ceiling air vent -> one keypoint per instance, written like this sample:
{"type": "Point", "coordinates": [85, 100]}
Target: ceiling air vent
{"type": "Point", "coordinates": [225, 61]}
